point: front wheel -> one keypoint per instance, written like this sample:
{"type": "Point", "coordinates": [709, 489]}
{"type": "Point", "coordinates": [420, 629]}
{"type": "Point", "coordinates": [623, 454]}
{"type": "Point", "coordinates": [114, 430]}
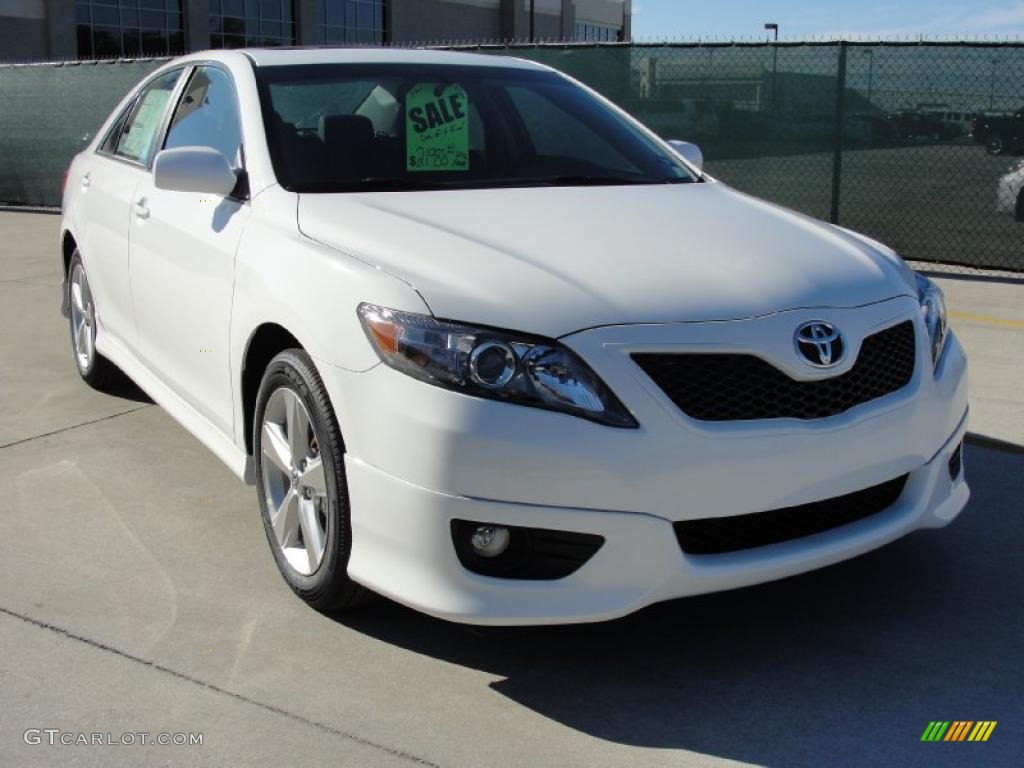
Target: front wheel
{"type": "Point", "coordinates": [302, 489]}
{"type": "Point", "coordinates": [94, 368]}
{"type": "Point", "coordinates": [994, 146]}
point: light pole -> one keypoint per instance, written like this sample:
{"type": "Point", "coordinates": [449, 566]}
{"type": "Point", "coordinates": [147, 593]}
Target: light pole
{"type": "Point", "coordinates": [871, 70]}
{"type": "Point", "coordinates": [771, 27]}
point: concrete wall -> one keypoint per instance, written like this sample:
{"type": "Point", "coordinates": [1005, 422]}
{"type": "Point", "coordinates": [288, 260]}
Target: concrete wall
{"type": "Point", "coordinates": [416, 20]}
{"type": "Point", "coordinates": [607, 13]}
{"type": "Point", "coordinates": [23, 30]}
{"type": "Point", "coordinates": [426, 20]}
{"type": "Point", "coordinates": [45, 29]}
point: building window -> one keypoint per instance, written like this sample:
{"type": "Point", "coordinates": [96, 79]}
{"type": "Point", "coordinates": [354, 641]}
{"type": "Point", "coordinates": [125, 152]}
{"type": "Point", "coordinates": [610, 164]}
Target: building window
{"type": "Point", "coordinates": [351, 21]}
{"type": "Point", "coordinates": [129, 28]}
{"type": "Point", "coordinates": [596, 33]}
{"type": "Point", "coordinates": [241, 23]}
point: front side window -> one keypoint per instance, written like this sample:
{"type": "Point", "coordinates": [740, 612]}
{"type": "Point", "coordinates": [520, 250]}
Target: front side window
{"type": "Point", "coordinates": [352, 127]}
{"type": "Point", "coordinates": [137, 139]}
{"type": "Point", "coordinates": [207, 115]}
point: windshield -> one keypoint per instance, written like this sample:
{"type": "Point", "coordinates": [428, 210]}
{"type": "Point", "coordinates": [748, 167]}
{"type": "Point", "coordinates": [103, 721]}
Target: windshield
{"type": "Point", "coordinates": [345, 127]}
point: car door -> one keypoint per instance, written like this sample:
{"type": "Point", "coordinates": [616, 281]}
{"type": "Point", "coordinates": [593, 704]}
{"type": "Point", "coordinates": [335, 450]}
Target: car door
{"type": "Point", "coordinates": [108, 183]}
{"type": "Point", "coordinates": [183, 256]}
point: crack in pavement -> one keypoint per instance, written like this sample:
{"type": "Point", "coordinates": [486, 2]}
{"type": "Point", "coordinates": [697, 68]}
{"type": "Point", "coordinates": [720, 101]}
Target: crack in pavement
{"type": "Point", "coordinates": [75, 426]}
{"type": "Point", "coordinates": [215, 688]}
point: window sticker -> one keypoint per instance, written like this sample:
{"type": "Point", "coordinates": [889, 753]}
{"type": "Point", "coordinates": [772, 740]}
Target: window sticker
{"type": "Point", "coordinates": [138, 137]}
{"type": "Point", "coordinates": [437, 128]}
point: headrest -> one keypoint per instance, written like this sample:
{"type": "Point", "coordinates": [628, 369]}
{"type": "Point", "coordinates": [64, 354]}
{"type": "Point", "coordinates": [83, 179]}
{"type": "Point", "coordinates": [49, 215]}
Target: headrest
{"type": "Point", "coordinates": [346, 130]}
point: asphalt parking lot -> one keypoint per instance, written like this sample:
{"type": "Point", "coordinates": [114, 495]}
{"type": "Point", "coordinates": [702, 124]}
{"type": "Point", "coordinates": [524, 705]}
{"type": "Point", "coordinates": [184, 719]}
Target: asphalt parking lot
{"type": "Point", "coordinates": [137, 594]}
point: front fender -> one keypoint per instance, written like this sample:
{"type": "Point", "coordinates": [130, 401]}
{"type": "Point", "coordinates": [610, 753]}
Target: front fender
{"type": "Point", "coordinates": [309, 289]}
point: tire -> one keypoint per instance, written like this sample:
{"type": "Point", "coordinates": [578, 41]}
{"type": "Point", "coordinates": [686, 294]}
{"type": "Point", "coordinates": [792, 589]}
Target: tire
{"type": "Point", "coordinates": [312, 539]}
{"type": "Point", "coordinates": [1018, 212]}
{"type": "Point", "coordinates": [98, 372]}
{"type": "Point", "coordinates": [994, 146]}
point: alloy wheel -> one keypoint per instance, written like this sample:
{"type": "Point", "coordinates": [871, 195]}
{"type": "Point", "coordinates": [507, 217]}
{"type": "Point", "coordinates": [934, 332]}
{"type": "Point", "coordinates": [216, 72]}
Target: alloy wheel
{"type": "Point", "coordinates": [83, 319]}
{"type": "Point", "coordinates": [294, 482]}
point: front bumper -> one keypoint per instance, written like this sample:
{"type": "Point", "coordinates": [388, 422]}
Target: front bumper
{"type": "Point", "coordinates": [420, 457]}
{"type": "Point", "coordinates": [402, 548]}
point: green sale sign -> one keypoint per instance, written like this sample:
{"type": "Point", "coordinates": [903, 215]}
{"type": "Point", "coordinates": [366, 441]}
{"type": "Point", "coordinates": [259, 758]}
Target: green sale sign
{"type": "Point", "coordinates": [437, 128]}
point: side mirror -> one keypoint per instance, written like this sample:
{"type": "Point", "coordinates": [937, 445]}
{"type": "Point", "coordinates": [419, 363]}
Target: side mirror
{"type": "Point", "coordinates": [194, 169]}
{"type": "Point", "coordinates": [689, 152]}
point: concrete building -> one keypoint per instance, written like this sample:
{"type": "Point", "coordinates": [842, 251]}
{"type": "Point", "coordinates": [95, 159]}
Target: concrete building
{"type": "Point", "coordinates": [84, 29]}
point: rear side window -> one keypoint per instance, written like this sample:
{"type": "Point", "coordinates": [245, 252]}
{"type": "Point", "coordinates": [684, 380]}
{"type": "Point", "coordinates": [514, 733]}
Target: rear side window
{"type": "Point", "coordinates": [137, 140]}
{"type": "Point", "coordinates": [110, 142]}
{"type": "Point", "coordinates": [207, 115]}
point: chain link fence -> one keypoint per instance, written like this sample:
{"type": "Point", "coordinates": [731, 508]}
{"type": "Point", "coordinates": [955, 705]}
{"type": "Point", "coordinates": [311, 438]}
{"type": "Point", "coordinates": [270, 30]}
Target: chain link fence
{"type": "Point", "coordinates": [915, 144]}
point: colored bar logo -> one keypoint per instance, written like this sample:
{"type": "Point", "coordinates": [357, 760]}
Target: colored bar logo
{"type": "Point", "coordinates": [958, 730]}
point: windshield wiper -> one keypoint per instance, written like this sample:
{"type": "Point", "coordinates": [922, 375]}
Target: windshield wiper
{"type": "Point", "coordinates": [584, 180]}
{"type": "Point", "coordinates": [402, 184]}
{"type": "Point", "coordinates": [371, 184]}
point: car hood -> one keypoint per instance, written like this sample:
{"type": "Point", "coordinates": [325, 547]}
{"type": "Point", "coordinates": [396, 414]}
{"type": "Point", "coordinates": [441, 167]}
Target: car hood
{"type": "Point", "coordinates": [554, 260]}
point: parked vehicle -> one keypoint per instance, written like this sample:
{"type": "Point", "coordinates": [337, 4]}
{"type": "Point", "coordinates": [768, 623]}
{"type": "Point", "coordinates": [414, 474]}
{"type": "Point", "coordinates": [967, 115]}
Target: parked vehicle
{"type": "Point", "coordinates": [959, 122]}
{"type": "Point", "coordinates": [1010, 192]}
{"type": "Point", "coordinates": [488, 346]}
{"type": "Point", "coordinates": [1000, 134]}
{"type": "Point", "coordinates": [918, 125]}
{"type": "Point", "coordinates": [862, 128]}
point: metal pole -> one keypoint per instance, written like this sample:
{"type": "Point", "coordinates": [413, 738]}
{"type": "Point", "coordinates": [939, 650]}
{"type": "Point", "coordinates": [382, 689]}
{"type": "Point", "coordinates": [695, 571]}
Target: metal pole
{"type": "Point", "coordinates": [871, 72]}
{"type": "Point", "coordinates": [837, 144]}
{"type": "Point", "coordinates": [532, 38]}
{"type": "Point", "coordinates": [775, 61]}
{"type": "Point", "coordinates": [775, 73]}
{"type": "Point", "coordinates": [992, 87]}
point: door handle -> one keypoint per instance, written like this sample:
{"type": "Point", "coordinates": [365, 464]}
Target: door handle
{"type": "Point", "coordinates": [141, 209]}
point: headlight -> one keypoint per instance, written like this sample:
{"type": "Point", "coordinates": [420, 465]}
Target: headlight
{"type": "Point", "coordinates": [499, 365]}
{"type": "Point", "coordinates": [933, 310]}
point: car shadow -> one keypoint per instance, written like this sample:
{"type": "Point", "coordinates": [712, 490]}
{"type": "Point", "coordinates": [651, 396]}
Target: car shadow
{"type": "Point", "coordinates": [123, 387]}
{"type": "Point", "coordinates": [844, 666]}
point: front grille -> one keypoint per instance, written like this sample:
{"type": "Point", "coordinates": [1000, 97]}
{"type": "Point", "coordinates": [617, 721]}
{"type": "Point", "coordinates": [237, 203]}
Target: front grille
{"type": "Point", "coordinates": [730, 387]}
{"type": "Point", "coordinates": [717, 535]}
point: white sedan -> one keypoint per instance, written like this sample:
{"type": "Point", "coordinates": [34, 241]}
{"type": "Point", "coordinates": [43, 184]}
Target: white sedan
{"type": "Point", "coordinates": [1010, 192]}
{"type": "Point", "coordinates": [486, 345]}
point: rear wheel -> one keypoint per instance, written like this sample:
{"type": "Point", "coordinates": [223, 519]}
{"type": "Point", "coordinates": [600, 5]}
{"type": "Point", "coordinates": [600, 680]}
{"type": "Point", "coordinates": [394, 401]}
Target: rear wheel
{"type": "Point", "coordinates": [96, 370]}
{"type": "Point", "coordinates": [303, 493]}
{"type": "Point", "coordinates": [995, 146]}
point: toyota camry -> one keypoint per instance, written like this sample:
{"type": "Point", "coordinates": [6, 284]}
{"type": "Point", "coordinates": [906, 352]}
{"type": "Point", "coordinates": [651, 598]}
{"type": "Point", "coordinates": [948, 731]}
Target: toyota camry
{"type": "Point", "coordinates": [486, 345]}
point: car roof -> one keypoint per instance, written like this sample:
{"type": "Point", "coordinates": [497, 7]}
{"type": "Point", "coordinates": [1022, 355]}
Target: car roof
{"type": "Point", "coordinates": [267, 57]}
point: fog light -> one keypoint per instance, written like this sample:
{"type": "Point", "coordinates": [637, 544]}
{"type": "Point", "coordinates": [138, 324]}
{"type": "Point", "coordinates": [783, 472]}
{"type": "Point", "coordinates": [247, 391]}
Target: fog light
{"type": "Point", "coordinates": [490, 540]}
{"type": "Point", "coordinates": [492, 364]}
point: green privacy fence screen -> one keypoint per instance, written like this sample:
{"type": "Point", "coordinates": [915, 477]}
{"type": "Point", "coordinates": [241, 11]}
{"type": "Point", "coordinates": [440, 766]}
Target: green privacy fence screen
{"type": "Point", "coordinates": [48, 112]}
{"type": "Point", "coordinates": [912, 143]}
